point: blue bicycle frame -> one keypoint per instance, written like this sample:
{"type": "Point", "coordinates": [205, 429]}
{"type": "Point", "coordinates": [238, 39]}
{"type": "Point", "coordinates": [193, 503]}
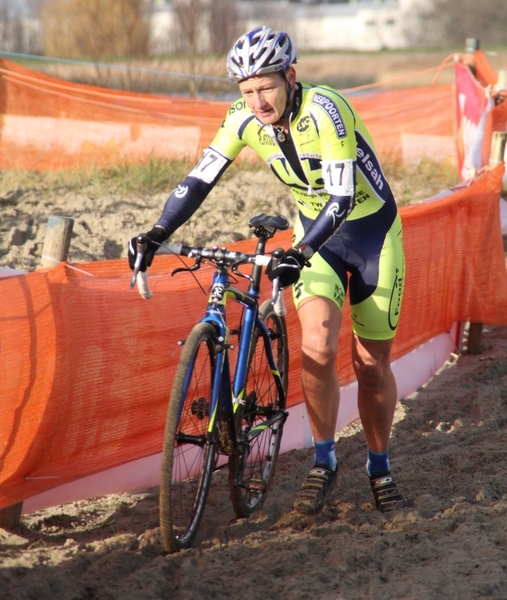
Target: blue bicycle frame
{"type": "Point", "coordinates": [228, 396]}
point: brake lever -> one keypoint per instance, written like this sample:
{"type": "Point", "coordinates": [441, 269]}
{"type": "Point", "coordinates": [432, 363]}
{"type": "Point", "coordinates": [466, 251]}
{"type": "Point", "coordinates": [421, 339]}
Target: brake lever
{"type": "Point", "coordinates": [277, 294]}
{"type": "Point", "coordinates": [194, 267]}
{"type": "Point", "coordinates": [141, 246]}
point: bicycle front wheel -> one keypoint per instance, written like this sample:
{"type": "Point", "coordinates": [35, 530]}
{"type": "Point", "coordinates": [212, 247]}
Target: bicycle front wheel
{"type": "Point", "coordinates": [264, 414]}
{"type": "Point", "coordinates": [189, 449]}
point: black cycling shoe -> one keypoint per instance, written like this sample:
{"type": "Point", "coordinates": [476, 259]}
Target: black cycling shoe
{"type": "Point", "coordinates": [385, 490]}
{"type": "Point", "coordinates": [315, 490]}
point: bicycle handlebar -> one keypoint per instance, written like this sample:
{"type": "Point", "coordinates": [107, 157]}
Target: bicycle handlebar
{"type": "Point", "coordinates": [214, 254]}
{"type": "Point", "coordinates": [264, 227]}
{"type": "Point", "coordinates": [138, 276]}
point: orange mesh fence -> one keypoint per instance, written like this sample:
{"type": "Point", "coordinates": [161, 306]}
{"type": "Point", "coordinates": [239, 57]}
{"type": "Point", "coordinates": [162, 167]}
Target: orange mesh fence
{"type": "Point", "coordinates": [87, 365]}
{"type": "Point", "coordinates": [410, 124]}
{"type": "Point", "coordinates": [47, 123]}
{"type": "Point", "coordinates": [484, 72]}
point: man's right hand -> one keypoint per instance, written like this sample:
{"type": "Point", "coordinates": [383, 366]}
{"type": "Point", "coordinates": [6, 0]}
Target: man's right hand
{"type": "Point", "coordinates": [153, 240]}
{"type": "Point", "coordinates": [288, 268]}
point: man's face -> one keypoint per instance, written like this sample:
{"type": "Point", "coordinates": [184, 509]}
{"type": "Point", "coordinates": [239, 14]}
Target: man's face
{"type": "Point", "coordinates": [266, 96]}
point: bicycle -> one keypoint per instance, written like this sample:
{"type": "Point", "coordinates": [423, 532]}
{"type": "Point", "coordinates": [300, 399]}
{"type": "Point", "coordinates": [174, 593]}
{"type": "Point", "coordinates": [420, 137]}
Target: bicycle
{"type": "Point", "coordinates": [211, 413]}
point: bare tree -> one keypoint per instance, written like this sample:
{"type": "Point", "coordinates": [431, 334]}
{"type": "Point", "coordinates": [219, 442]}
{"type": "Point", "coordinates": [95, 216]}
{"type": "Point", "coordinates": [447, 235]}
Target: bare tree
{"type": "Point", "coordinates": [224, 25]}
{"type": "Point", "coordinates": [450, 22]}
{"type": "Point", "coordinates": [97, 30]}
{"type": "Point", "coordinates": [11, 27]}
{"type": "Point", "coordinates": [189, 24]}
{"type": "Point", "coordinates": [202, 32]}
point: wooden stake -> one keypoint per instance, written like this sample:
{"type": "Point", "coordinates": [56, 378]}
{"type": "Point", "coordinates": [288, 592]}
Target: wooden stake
{"type": "Point", "coordinates": [57, 241]}
{"type": "Point", "coordinates": [497, 150]}
{"type": "Point", "coordinates": [471, 45]}
{"type": "Point", "coordinates": [474, 345]}
{"type": "Point", "coordinates": [10, 515]}
{"type": "Point", "coordinates": [497, 153]}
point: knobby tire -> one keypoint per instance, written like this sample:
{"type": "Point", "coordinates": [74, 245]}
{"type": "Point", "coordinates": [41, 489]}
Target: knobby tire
{"type": "Point", "coordinates": [189, 451]}
{"type": "Point", "coordinates": [250, 472]}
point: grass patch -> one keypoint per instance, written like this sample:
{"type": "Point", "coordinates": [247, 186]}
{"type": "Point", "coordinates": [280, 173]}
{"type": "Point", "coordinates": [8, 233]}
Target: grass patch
{"type": "Point", "coordinates": [410, 183]}
{"type": "Point", "coordinates": [416, 182]}
{"type": "Point", "coordinates": [153, 176]}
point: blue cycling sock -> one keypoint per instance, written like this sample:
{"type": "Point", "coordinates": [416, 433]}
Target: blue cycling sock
{"type": "Point", "coordinates": [325, 454]}
{"type": "Point", "coordinates": [378, 462]}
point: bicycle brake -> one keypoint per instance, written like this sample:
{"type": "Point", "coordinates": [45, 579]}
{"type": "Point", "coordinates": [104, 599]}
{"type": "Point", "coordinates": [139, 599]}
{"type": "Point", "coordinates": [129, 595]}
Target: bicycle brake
{"type": "Point", "coordinates": [194, 267]}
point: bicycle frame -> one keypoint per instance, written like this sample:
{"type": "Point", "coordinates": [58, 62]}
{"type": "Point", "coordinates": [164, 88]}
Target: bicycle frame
{"type": "Point", "coordinates": [224, 394]}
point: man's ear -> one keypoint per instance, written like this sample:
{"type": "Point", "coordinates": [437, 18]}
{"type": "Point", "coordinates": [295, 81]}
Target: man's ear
{"type": "Point", "coordinates": [290, 75]}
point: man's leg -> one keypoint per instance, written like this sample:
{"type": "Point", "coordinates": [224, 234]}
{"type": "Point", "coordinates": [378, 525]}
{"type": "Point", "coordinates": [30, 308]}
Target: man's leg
{"type": "Point", "coordinates": [377, 397]}
{"type": "Point", "coordinates": [377, 394]}
{"type": "Point", "coordinates": [320, 323]}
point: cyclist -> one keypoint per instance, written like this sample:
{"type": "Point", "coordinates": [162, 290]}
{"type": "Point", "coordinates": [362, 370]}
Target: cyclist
{"type": "Point", "coordinates": [347, 235]}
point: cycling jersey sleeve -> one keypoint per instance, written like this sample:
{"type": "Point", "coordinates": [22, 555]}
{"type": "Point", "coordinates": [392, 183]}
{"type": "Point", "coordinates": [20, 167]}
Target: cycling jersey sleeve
{"type": "Point", "coordinates": [328, 221]}
{"type": "Point", "coordinates": [191, 192]}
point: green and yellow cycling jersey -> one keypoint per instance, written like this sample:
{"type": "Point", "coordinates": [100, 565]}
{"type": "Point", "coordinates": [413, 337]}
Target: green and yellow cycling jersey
{"type": "Point", "coordinates": [328, 136]}
{"type": "Point", "coordinates": [347, 213]}
{"type": "Point", "coordinates": [328, 160]}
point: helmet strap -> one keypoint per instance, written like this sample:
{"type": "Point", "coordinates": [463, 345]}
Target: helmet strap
{"type": "Point", "coordinates": [288, 105]}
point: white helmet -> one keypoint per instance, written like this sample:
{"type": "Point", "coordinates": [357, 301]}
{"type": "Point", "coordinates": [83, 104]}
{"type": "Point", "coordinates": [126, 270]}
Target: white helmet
{"type": "Point", "coordinates": [260, 51]}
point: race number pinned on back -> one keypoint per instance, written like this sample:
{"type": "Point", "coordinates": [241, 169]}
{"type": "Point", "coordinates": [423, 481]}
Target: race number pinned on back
{"type": "Point", "coordinates": [339, 177]}
{"type": "Point", "coordinates": [209, 167]}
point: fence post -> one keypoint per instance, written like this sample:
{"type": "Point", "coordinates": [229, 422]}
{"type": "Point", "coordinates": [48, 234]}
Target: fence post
{"type": "Point", "coordinates": [57, 241]}
{"type": "Point", "coordinates": [55, 250]}
{"type": "Point", "coordinates": [10, 515]}
{"type": "Point", "coordinates": [471, 45]}
{"type": "Point", "coordinates": [496, 157]}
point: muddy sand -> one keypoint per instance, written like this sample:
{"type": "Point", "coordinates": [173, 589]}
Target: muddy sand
{"type": "Point", "coordinates": [448, 453]}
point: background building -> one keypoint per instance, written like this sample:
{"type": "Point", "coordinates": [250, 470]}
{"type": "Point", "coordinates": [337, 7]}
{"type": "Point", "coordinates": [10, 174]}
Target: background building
{"type": "Point", "coordinates": [321, 25]}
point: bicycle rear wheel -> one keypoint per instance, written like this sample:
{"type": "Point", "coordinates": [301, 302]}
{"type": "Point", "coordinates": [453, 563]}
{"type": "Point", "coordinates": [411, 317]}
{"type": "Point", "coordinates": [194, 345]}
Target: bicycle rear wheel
{"type": "Point", "coordinates": [189, 449]}
{"type": "Point", "coordinates": [263, 417]}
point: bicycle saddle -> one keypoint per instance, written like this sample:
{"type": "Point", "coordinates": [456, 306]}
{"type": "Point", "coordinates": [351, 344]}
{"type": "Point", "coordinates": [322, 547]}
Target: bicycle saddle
{"type": "Point", "coordinates": [269, 222]}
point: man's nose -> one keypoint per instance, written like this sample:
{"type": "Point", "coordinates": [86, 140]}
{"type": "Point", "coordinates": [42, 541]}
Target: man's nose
{"type": "Point", "coordinates": [259, 101]}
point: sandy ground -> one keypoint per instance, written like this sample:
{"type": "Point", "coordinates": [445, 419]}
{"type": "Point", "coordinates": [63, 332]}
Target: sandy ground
{"type": "Point", "coordinates": [449, 456]}
{"type": "Point", "coordinates": [105, 219]}
{"type": "Point", "coordinates": [447, 449]}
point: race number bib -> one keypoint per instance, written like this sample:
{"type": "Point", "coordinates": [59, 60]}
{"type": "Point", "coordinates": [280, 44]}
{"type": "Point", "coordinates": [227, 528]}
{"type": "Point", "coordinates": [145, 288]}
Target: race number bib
{"type": "Point", "coordinates": [339, 176]}
{"type": "Point", "coordinates": [210, 165]}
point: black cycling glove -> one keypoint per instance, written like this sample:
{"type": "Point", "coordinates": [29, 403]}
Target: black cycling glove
{"type": "Point", "coordinates": [153, 239]}
{"type": "Point", "coordinates": [288, 269]}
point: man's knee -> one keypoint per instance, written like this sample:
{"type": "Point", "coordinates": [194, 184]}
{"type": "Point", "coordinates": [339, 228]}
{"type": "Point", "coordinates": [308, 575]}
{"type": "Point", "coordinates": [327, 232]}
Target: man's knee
{"type": "Point", "coordinates": [318, 353]}
{"type": "Point", "coordinates": [370, 376]}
